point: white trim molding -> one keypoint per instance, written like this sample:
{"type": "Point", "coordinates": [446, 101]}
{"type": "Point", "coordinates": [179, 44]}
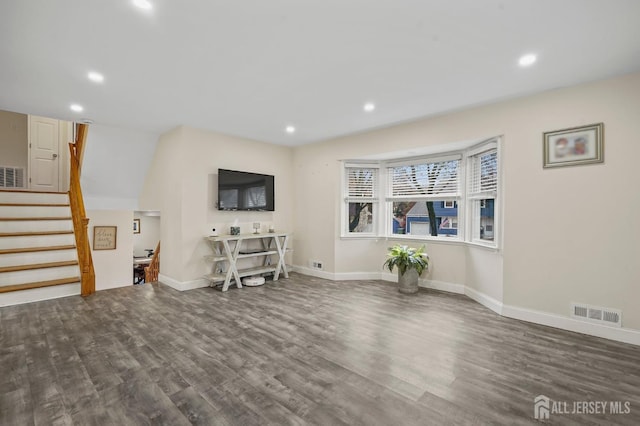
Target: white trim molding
{"type": "Point", "coordinates": [486, 301]}
{"type": "Point", "coordinates": [442, 286]}
{"type": "Point", "coordinates": [619, 334]}
{"type": "Point", "coordinates": [315, 273]}
{"type": "Point", "coordinates": [182, 285]}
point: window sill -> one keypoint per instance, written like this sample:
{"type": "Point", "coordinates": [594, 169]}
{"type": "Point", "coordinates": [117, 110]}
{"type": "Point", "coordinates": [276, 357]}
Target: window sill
{"type": "Point", "coordinates": [484, 246]}
{"type": "Point", "coordinates": [424, 240]}
{"type": "Point", "coordinates": [447, 241]}
{"type": "Point", "coordinates": [361, 237]}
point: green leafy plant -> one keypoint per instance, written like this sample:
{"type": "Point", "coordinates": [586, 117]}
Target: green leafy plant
{"type": "Point", "coordinates": [405, 257]}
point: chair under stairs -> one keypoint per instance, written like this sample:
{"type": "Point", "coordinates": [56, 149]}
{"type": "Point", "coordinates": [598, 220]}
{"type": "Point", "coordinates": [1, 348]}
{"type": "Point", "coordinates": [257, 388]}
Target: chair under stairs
{"type": "Point", "coordinates": [38, 256]}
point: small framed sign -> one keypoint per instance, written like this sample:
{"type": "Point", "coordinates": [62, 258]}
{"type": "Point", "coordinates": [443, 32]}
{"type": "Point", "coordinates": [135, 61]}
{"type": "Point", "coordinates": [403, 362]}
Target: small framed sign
{"type": "Point", "coordinates": [574, 146]}
{"type": "Point", "coordinates": [136, 226]}
{"type": "Point", "coordinates": [104, 237]}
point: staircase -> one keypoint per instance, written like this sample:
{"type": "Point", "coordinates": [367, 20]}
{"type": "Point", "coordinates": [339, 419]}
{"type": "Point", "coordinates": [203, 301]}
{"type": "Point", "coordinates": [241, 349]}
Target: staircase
{"type": "Point", "coordinates": [38, 256]}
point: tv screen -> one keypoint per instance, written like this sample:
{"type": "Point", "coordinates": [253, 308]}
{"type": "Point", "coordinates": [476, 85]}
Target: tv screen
{"type": "Point", "coordinates": [245, 191]}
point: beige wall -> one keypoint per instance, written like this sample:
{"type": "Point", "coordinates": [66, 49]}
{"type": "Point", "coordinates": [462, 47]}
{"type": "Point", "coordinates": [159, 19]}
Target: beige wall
{"type": "Point", "coordinates": [114, 268]}
{"type": "Point", "coordinates": [13, 140]}
{"type": "Point", "coordinates": [182, 184]}
{"type": "Point", "coordinates": [570, 234]}
{"type": "Point", "coordinates": [162, 191]}
{"type": "Point", "coordinates": [127, 152]}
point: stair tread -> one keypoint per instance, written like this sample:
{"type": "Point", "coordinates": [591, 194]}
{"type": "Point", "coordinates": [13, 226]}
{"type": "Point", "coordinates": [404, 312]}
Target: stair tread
{"type": "Point", "coordinates": [36, 249]}
{"type": "Point", "coordinates": [34, 233]}
{"type": "Point", "coordinates": [38, 266]}
{"type": "Point", "coordinates": [39, 284]}
{"type": "Point", "coordinates": [31, 192]}
{"type": "Point", "coordinates": [34, 205]}
{"type": "Point", "coordinates": [11, 219]}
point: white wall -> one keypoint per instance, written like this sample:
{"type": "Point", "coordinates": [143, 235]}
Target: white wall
{"type": "Point", "coordinates": [570, 234]}
{"type": "Point", "coordinates": [149, 235]}
{"type": "Point", "coordinates": [113, 268]}
{"type": "Point", "coordinates": [13, 140]}
{"type": "Point", "coordinates": [185, 166]}
{"type": "Point", "coordinates": [116, 161]}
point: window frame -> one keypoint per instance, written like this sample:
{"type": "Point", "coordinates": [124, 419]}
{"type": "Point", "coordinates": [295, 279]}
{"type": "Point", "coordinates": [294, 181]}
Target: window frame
{"type": "Point", "coordinates": [382, 203]}
{"type": "Point", "coordinates": [455, 196]}
{"type": "Point", "coordinates": [472, 153]}
{"type": "Point", "coordinates": [347, 199]}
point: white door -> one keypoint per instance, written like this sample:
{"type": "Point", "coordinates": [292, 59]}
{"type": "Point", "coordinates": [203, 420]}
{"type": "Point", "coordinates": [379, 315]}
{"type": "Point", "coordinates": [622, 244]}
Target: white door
{"type": "Point", "coordinates": [44, 154]}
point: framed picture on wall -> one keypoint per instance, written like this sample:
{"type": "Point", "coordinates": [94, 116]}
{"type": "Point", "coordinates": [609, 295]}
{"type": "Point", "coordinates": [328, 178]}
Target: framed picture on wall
{"type": "Point", "coordinates": [136, 226]}
{"type": "Point", "coordinates": [574, 146]}
{"type": "Point", "coordinates": [104, 237]}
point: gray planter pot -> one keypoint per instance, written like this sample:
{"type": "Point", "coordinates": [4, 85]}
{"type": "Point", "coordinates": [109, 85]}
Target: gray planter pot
{"type": "Point", "coordinates": [408, 283]}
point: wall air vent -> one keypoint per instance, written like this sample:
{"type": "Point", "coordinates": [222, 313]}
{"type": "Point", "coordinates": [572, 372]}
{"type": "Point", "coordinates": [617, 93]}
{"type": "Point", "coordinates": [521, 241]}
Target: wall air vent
{"type": "Point", "coordinates": [604, 316]}
{"type": "Point", "coordinates": [11, 177]}
{"type": "Point", "coordinates": [595, 314]}
{"type": "Point", "coordinates": [580, 311]}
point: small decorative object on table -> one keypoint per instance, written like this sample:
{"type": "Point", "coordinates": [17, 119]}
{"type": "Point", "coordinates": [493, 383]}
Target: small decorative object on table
{"type": "Point", "coordinates": [235, 230]}
{"type": "Point", "coordinates": [214, 233]}
{"type": "Point", "coordinates": [256, 227]}
{"type": "Point", "coordinates": [272, 229]}
{"type": "Point", "coordinates": [411, 262]}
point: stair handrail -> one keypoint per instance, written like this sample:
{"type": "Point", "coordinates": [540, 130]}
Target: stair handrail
{"type": "Point", "coordinates": [78, 213]}
{"type": "Point", "coordinates": [152, 271]}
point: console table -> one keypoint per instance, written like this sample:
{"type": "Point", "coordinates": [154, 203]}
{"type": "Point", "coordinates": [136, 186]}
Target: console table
{"type": "Point", "coordinates": [228, 249]}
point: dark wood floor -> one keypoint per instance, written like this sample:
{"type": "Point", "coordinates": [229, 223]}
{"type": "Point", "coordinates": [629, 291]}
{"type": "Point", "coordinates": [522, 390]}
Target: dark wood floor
{"type": "Point", "coordinates": [299, 351]}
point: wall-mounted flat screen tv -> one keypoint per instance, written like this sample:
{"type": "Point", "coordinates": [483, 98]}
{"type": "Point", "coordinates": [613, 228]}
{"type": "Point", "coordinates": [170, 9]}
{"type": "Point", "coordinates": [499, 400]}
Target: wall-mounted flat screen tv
{"type": "Point", "coordinates": [245, 191]}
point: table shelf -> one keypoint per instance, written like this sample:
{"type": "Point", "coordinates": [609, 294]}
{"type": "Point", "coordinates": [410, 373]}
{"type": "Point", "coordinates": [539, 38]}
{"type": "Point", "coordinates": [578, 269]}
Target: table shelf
{"type": "Point", "coordinates": [228, 249]}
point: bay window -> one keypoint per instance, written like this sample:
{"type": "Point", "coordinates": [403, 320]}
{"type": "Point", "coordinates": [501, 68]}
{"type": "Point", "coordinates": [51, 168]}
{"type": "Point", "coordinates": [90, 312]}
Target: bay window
{"type": "Point", "coordinates": [451, 196]}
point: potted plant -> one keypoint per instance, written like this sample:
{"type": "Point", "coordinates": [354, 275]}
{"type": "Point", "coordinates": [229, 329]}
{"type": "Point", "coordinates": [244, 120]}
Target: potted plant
{"type": "Point", "coordinates": [411, 262]}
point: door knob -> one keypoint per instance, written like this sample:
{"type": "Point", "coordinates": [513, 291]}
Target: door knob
{"type": "Point", "coordinates": [55, 155]}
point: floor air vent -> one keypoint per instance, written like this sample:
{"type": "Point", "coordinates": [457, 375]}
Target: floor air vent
{"type": "Point", "coordinates": [11, 177]}
{"type": "Point", "coordinates": [595, 314]}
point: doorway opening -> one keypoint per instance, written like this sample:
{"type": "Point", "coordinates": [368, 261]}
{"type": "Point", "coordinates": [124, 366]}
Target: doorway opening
{"type": "Point", "coordinates": [146, 243]}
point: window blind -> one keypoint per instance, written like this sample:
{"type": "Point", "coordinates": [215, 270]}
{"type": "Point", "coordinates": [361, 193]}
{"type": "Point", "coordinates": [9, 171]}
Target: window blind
{"type": "Point", "coordinates": [425, 180]}
{"type": "Point", "coordinates": [361, 183]}
{"type": "Point", "coordinates": [483, 175]}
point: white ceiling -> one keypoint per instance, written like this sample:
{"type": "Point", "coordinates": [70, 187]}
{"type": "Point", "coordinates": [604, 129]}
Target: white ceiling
{"type": "Point", "coordinates": [250, 68]}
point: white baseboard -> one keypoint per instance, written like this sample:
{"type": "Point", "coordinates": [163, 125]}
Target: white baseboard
{"type": "Point", "coordinates": [385, 276]}
{"type": "Point", "coordinates": [182, 285]}
{"type": "Point", "coordinates": [112, 286]}
{"type": "Point", "coordinates": [314, 272]}
{"type": "Point", "coordinates": [487, 301]}
{"type": "Point", "coordinates": [347, 276]}
{"type": "Point", "coordinates": [442, 286]}
{"type": "Point", "coordinates": [431, 284]}
{"type": "Point", "coordinates": [625, 335]}
{"type": "Point", "coordinates": [619, 334]}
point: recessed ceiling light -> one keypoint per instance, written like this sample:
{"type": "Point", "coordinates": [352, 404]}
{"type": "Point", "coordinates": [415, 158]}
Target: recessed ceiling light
{"type": "Point", "coordinates": [96, 77]}
{"type": "Point", "coordinates": [527, 60]}
{"type": "Point", "coordinates": [369, 106]}
{"type": "Point", "coordinates": [76, 108]}
{"type": "Point", "coordinates": [290, 129]}
{"type": "Point", "coordinates": [143, 4]}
